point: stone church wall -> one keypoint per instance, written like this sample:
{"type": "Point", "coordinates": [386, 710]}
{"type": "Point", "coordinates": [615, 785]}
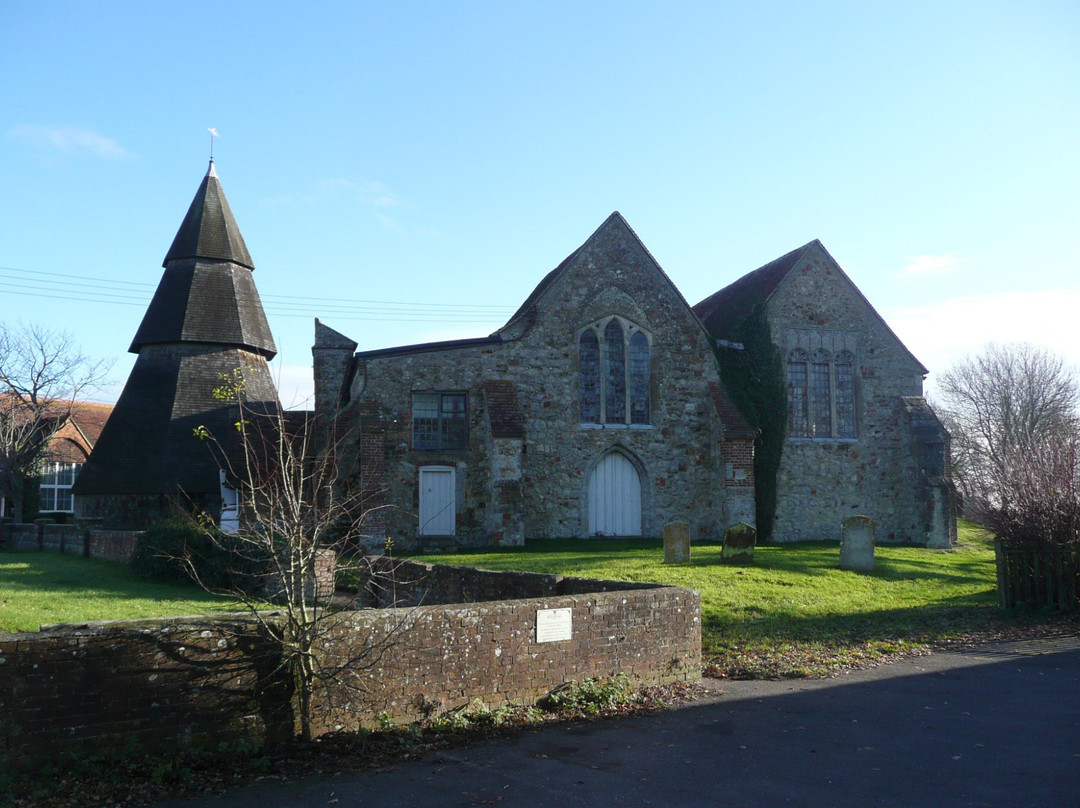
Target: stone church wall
{"type": "Point", "coordinates": [878, 474]}
{"type": "Point", "coordinates": [536, 486]}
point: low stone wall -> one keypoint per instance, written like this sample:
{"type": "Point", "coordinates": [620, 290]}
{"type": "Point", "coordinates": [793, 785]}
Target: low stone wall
{"type": "Point", "coordinates": [113, 545]}
{"type": "Point", "coordinates": [114, 688]}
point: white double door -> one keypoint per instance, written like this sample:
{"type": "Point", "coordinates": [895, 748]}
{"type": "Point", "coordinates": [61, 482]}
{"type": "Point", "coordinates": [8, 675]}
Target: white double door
{"type": "Point", "coordinates": [613, 494]}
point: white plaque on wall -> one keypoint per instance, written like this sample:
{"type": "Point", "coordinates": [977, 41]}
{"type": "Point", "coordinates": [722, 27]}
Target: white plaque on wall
{"type": "Point", "coordinates": [553, 625]}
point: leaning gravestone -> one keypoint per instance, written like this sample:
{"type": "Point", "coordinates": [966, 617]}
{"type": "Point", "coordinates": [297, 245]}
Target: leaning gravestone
{"type": "Point", "coordinates": [739, 543]}
{"type": "Point", "coordinates": [677, 543]}
{"type": "Point", "coordinates": [857, 544]}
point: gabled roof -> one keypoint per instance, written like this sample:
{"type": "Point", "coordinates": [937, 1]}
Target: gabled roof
{"type": "Point", "coordinates": [614, 221]}
{"type": "Point", "coordinates": [209, 230]}
{"type": "Point", "coordinates": [722, 311]}
{"type": "Point", "coordinates": [207, 293]}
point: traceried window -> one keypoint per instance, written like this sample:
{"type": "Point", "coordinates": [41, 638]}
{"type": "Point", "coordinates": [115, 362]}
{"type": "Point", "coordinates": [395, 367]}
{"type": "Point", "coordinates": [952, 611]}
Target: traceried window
{"type": "Point", "coordinates": [613, 374]}
{"type": "Point", "coordinates": [844, 374]}
{"type": "Point", "coordinates": [821, 394]}
{"type": "Point", "coordinates": [56, 482]}
{"type": "Point", "coordinates": [440, 421]}
{"type": "Point", "coordinates": [798, 421]}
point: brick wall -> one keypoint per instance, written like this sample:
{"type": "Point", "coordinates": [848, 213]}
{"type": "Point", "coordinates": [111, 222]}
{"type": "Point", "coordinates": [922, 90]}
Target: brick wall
{"type": "Point", "coordinates": [112, 545]}
{"type": "Point", "coordinates": [154, 685]}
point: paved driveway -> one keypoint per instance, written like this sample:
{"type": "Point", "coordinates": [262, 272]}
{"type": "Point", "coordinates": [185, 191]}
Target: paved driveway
{"type": "Point", "coordinates": [999, 726]}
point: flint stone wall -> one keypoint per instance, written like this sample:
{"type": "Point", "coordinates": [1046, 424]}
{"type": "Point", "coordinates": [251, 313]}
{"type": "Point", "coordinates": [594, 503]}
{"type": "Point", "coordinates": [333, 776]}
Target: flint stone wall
{"type": "Point", "coordinates": [689, 469]}
{"type": "Point", "coordinates": [895, 470]}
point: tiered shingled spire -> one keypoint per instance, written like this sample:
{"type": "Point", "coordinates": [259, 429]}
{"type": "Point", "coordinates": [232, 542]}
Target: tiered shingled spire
{"type": "Point", "coordinates": [205, 319]}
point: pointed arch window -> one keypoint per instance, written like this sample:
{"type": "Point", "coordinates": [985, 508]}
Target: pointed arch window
{"type": "Point", "coordinates": [614, 367]}
{"type": "Point", "coordinates": [821, 394]}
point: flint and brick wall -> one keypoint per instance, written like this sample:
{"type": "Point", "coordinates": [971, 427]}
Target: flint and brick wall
{"type": "Point", "coordinates": [120, 687]}
{"type": "Point", "coordinates": [535, 484]}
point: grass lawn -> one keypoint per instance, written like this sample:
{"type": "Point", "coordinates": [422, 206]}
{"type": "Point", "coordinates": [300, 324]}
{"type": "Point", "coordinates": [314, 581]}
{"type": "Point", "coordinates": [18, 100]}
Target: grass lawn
{"type": "Point", "coordinates": [794, 613]}
{"type": "Point", "coordinates": [39, 588]}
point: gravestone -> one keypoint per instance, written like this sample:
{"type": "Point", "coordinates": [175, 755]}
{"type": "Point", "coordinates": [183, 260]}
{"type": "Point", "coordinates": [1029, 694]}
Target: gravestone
{"type": "Point", "coordinates": [739, 543]}
{"type": "Point", "coordinates": [677, 543]}
{"type": "Point", "coordinates": [857, 544]}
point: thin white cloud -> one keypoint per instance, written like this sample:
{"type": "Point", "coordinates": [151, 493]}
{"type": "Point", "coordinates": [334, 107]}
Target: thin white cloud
{"type": "Point", "coordinates": [923, 265]}
{"type": "Point", "coordinates": [370, 193]}
{"type": "Point", "coordinates": [333, 190]}
{"type": "Point", "coordinates": [946, 332]}
{"type": "Point", "coordinates": [68, 140]}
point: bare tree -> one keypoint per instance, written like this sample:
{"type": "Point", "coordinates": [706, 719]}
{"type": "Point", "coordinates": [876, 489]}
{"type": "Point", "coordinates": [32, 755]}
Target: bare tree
{"type": "Point", "coordinates": [43, 374]}
{"type": "Point", "coordinates": [300, 511]}
{"type": "Point", "coordinates": [1006, 405]}
{"type": "Point", "coordinates": [1039, 504]}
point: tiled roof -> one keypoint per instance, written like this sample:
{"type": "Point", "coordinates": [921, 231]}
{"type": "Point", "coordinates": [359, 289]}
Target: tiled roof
{"type": "Point", "coordinates": [735, 426]}
{"type": "Point", "coordinates": [148, 446]}
{"type": "Point", "coordinates": [722, 311]}
{"type": "Point", "coordinates": [209, 230]}
{"type": "Point", "coordinates": [200, 301]}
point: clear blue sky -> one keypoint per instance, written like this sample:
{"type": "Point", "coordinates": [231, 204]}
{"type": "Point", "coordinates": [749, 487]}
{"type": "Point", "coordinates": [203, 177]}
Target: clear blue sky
{"type": "Point", "coordinates": [409, 171]}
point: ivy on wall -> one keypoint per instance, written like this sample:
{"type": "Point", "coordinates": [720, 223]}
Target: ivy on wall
{"type": "Point", "coordinates": [754, 377]}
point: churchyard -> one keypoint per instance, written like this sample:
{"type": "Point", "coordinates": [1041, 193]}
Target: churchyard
{"type": "Point", "coordinates": [792, 613]}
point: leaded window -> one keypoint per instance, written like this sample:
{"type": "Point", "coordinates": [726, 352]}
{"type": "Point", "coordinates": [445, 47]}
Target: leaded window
{"type": "Point", "coordinates": [798, 421]}
{"type": "Point", "coordinates": [821, 395]}
{"type": "Point", "coordinates": [440, 421]}
{"type": "Point", "coordinates": [614, 365]}
{"type": "Point", "coordinates": [589, 376]}
{"type": "Point", "coordinates": [844, 368]}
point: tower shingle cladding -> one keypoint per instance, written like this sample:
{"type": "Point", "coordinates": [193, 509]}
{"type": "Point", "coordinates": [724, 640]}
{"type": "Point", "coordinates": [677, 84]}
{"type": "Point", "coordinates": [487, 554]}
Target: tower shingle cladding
{"type": "Point", "coordinates": [205, 320]}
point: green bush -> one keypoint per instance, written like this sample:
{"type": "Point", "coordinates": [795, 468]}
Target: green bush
{"type": "Point", "coordinates": [591, 696]}
{"type": "Point", "coordinates": [178, 551]}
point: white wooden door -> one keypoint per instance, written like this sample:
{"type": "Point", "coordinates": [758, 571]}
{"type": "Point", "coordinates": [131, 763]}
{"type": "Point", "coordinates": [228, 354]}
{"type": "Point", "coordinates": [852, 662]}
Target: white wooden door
{"type": "Point", "coordinates": [614, 498]}
{"type": "Point", "coordinates": [437, 501]}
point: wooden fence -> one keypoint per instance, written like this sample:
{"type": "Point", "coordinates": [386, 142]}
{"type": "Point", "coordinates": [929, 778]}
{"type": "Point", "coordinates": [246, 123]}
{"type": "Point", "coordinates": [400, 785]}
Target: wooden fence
{"type": "Point", "coordinates": [1042, 576]}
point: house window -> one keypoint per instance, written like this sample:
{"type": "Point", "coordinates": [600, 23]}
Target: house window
{"type": "Point", "coordinates": [56, 482]}
{"type": "Point", "coordinates": [613, 374]}
{"type": "Point", "coordinates": [821, 394]}
{"type": "Point", "coordinates": [439, 421]}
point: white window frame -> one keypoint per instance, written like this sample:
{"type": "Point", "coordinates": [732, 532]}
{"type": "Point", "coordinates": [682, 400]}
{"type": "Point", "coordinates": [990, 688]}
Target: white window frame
{"type": "Point", "coordinates": [51, 484]}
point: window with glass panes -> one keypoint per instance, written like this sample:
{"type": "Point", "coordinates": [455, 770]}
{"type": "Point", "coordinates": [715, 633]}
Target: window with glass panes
{"type": "Point", "coordinates": [614, 360]}
{"type": "Point", "coordinates": [821, 394]}
{"type": "Point", "coordinates": [56, 482]}
{"type": "Point", "coordinates": [440, 421]}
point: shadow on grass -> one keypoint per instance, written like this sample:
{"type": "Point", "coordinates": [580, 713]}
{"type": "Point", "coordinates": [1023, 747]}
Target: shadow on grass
{"type": "Point", "coordinates": [48, 573]}
{"type": "Point", "coordinates": [966, 614]}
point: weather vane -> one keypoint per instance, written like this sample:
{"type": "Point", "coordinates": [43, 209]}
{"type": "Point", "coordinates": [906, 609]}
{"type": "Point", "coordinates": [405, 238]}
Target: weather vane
{"type": "Point", "coordinates": [213, 134]}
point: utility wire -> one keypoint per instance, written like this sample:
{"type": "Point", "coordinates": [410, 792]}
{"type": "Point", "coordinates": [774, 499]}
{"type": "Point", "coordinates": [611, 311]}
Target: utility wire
{"type": "Point", "coordinates": [38, 284]}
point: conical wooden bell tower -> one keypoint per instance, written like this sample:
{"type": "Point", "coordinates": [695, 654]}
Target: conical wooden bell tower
{"type": "Point", "coordinates": [206, 319]}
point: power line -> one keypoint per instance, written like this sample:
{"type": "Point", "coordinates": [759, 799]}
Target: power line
{"type": "Point", "coordinates": [39, 284]}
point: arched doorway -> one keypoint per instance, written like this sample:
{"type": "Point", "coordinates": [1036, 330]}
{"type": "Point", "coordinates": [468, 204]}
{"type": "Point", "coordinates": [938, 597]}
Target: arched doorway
{"type": "Point", "coordinates": [613, 497]}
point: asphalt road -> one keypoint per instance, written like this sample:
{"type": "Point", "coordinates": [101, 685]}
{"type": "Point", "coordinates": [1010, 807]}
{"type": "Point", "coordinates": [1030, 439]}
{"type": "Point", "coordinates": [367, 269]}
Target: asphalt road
{"type": "Point", "coordinates": [996, 726]}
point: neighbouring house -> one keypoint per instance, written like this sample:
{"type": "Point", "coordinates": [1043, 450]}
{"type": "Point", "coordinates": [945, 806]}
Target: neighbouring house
{"type": "Point", "coordinates": [204, 322]}
{"type": "Point", "coordinates": [70, 435]}
{"type": "Point", "coordinates": [597, 410]}
{"type": "Point", "coordinates": [861, 439]}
